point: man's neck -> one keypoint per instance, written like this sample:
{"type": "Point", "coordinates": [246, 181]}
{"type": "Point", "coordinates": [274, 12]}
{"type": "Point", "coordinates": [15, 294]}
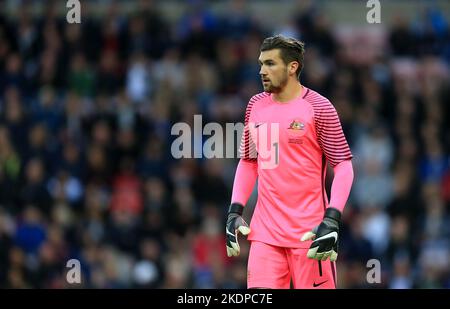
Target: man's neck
{"type": "Point", "coordinates": [291, 91]}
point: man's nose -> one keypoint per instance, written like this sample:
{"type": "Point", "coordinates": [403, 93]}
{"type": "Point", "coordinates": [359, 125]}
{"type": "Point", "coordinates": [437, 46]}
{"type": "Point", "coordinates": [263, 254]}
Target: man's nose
{"type": "Point", "coordinates": [262, 72]}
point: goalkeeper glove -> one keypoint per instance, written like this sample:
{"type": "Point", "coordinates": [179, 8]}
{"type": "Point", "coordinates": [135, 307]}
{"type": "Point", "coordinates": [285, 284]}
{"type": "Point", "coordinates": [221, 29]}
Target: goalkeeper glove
{"type": "Point", "coordinates": [325, 237]}
{"type": "Point", "coordinates": [235, 224]}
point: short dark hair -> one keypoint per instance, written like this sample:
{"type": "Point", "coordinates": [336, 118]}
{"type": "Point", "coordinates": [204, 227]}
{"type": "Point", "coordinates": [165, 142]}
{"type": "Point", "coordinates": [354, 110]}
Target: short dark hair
{"type": "Point", "coordinates": [290, 49]}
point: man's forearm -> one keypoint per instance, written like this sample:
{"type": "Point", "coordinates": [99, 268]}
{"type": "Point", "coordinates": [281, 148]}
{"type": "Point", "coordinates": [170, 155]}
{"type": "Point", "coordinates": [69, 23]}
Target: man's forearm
{"type": "Point", "coordinates": [244, 181]}
{"type": "Point", "coordinates": [342, 184]}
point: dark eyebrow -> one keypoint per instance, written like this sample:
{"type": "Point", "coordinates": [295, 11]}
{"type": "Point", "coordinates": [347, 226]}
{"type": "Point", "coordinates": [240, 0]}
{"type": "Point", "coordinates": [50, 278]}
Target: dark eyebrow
{"type": "Point", "coordinates": [265, 61]}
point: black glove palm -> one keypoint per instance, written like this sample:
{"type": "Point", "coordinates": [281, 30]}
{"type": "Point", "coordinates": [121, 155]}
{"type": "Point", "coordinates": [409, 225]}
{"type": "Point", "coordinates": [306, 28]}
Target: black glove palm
{"type": "Point", "coordinates": [325, 236]}
{"type": "Point", "coordinates": [235, 224]}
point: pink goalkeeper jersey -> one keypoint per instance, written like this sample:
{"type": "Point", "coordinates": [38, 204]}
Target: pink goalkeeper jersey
{"type": "Point", "coordinates": [291, 173]}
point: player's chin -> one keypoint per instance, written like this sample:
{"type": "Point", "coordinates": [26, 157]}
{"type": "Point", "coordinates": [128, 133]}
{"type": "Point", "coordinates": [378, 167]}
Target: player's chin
{"type": "Point", "coordinates": [268, 88]}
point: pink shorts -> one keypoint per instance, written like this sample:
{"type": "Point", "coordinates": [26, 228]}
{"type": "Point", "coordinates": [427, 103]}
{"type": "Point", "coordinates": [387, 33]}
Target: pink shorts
{"type": "Point", "coordinates": [273, 267]}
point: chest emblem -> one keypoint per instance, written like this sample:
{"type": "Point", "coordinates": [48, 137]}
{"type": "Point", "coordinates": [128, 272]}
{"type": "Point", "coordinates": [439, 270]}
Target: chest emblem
{"type": "Point", "coordinates": [296, 125]}
{"type": "Point", "coordinates": [295, 131]}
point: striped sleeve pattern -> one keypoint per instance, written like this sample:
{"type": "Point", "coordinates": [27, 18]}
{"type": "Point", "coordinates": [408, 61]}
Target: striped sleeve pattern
{"type": "Point", "coordinates": [247, 148]}
{"type": "Point", "coordinates": [330, 136]}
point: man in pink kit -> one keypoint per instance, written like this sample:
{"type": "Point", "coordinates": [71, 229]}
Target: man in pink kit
{"type": "Point", "coordinates": [290, 133]}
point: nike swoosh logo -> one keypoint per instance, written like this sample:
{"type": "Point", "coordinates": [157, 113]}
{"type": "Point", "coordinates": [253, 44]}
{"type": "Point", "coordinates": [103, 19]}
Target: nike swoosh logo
{"type": "Point", "coordinates": [318, 284]}
{"type": "Point", "coordinates": [331, 235]}
{"type": "Point", "coordinates": [258, 124]}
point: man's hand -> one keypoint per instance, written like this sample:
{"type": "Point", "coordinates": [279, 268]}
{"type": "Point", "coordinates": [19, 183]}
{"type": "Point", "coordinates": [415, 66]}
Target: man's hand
{"type": "Point", "coordinates": [325, 237]}
{"type": "Point", "coordinates": [235, 224]}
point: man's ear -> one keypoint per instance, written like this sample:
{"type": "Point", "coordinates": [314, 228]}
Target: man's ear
{"type": "Point", "coordinates": [293, 66]}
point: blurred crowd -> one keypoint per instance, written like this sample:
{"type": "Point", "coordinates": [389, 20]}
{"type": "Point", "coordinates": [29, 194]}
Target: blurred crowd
{"type": "Point", "coordinates": [86, 170]}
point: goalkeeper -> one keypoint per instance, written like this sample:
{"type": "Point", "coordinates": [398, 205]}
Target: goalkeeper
{"type": "Point", "coordinates": [291, 133]}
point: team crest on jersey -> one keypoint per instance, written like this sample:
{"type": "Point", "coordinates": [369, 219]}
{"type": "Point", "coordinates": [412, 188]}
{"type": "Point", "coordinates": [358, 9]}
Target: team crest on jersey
{"type": "Point", "coordinates": [296, 130]}
{"type": "Point", "coordinates": [296, 125]}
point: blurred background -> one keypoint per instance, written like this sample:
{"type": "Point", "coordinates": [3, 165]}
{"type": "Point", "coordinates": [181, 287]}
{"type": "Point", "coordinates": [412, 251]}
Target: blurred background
{"type": "Point", "coordinates": [86, 111]}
